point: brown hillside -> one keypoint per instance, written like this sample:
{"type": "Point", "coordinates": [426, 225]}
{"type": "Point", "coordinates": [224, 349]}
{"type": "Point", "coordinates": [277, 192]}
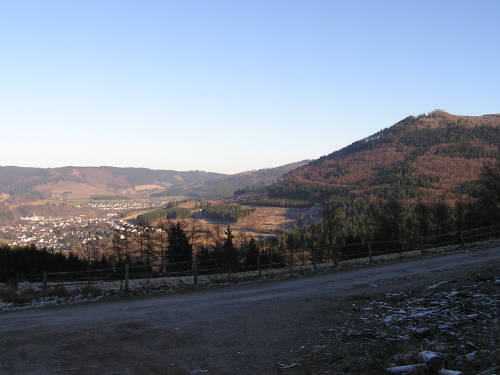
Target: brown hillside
{"type": "Point", "coordinates": [424, 157]}
{"type": "Point", "coordinates": [24, 184]}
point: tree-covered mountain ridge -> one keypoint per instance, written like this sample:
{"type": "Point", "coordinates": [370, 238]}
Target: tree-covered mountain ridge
{"type": "Point", "coordinates": [233, 185]}
{"type": "Point", "coordinates": [86, 182]}
{"type": "Point", "coordinates": [435, 155]}
{"type": "Point", "coordinates": [26, 184]}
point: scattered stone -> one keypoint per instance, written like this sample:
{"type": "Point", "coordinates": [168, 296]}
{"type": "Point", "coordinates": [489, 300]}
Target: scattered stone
{"type": "Point", "coordinates": [199, 371]}
{"type": "Point", "coordinates": [433, 361]}
{"type": "Point", "coordinates": [408, 369]}
{"type": "Point", "coordinates": [471, 356]}
{"type": "Point", "coordinates": [444, 371]}
{"type": "Point", "coordinates": [434, 286]}
{"type": "Point", "coordinates": [420, 332]}
{"type": "Point", "coordinates": [471, 316]}
{"type": "Point", "coordinates": [284, 367]}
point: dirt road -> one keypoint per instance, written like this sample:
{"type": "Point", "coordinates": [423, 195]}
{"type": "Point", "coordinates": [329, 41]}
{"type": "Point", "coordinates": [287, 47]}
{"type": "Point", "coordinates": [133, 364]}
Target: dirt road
{"type": "Point", "coordinates": [243, 329]}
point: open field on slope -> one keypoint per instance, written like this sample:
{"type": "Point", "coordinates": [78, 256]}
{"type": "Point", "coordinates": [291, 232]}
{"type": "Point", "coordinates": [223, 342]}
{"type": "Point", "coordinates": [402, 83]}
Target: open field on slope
{"type": "Point", "coordinates": [266, 221]}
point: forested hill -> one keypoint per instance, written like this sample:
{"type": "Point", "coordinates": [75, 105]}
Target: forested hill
{"type": "Point", "coordinates": [424, 157]}
{"type": "Point", "coordinates": [86, 182]}
{"type": "Point", "coordinates": [236, 184]}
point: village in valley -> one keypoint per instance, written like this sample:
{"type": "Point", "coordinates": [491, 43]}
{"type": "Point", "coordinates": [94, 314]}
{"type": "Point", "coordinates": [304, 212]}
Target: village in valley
{"type": "Point", "coordinates": [70, 233]}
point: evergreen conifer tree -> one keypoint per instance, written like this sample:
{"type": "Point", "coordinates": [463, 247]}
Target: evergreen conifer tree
{"type": "Point", "coordinates": [179, 252]}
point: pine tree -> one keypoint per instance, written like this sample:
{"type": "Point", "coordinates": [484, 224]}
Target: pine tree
{"type": "Point", "coordinates": [179, 252]}
{"type": "Point", "coordinates": [231, 261]}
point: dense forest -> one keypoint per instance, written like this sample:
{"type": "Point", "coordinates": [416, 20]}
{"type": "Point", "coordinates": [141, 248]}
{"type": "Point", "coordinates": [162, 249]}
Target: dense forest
{"type": "Point", "coordinates": [345, 220]}
{"type": "Point", "coordinates": [30, 260]}
{"type": "Point", "coordinates": [155, 216]}
{"type": "Point", "coordinates": [225, 212]}
{"type": "Point", "coordinates": [283, 202]}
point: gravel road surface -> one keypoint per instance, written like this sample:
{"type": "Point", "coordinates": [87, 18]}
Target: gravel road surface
{"type": "Point", "coordinates": [241, 329]}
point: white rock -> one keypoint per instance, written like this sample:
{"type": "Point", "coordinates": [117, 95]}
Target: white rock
{"type": "Point", "coordinates": [408, 369]}
{"type": "Point", "coordinates": [444, 371]}
{"type": "Point", "coordinates": [432, 360]}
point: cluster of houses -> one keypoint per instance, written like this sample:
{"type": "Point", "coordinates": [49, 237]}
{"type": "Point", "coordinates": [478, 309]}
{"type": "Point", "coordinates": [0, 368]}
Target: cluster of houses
{"type": "Point", "coordinates": [62, 233]}
{"type": "Point", "coordinates": [126, 205]}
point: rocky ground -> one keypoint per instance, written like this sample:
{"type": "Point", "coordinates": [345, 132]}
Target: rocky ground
{"type": "Point", "coordinates": [455, 322]}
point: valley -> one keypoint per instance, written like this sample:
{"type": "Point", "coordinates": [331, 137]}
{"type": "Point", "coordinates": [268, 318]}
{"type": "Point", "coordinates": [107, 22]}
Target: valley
{"type": "Point", "coordinates": [432, 159]}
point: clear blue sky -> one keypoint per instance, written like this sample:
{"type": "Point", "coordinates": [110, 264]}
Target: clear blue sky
{"type": "Point", "coordinates": [228, 86]}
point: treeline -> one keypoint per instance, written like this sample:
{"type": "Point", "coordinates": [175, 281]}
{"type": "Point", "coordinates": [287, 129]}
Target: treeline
{"type": "Point", "coordinates": [225, 212]}
{"type": "Point", "coordinates": [451, 133]}
{"type": "Point", "coordinates": [154, 217]}
{"type": "Point", "coordinates": [174, 256]}
{"type": "Point", "coordinates": [465, 150]}
{"type": "Point", "coordinates": [109, 197]}
{"type": "Point", "coordinates": [30, 260]}
{"type": "Point", "coordinates": [292, 188]}
{"type": "Point", "coordinates": [347, 221]}
{"type": "Point", "coordinates": [175, 204]}
{"type": "Point", "coordinates": [294, 203]}
{"type": "Point", "coordinates": [226, 256]}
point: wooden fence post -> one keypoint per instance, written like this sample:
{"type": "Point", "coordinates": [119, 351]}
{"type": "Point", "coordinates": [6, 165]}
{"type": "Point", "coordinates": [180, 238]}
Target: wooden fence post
{"type": "Point", "coordinates": [370, 251]}
{"type": "Point", "coordinates": [44, 279]}
{"type": "Point", "coordinates": [195, 271]}
{"type": "Point", "coordinates": [258, 264]}
{"type": "Point", "coordinates": [314, 259]}
{"type": "Point", "coordinates": [126, 277]}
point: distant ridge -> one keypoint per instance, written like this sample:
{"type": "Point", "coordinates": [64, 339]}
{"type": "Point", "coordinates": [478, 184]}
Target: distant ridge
{"type": "Point", "coordinates": [239, 183]}
{"type": "Point", "coordinates": [85, 182]}
{"type": "Point", "coordinates": [27, 184]}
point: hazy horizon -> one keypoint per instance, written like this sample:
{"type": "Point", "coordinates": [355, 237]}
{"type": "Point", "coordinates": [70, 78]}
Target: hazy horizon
{"type": "Point", "coordinates": [156, 169]}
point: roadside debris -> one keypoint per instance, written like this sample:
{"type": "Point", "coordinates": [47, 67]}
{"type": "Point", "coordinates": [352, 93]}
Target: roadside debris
{"type": "Point", "coordinates": [199, 371]}
{"type": "Point", "coordinates": [448, 328]}
{"type": "Point", "coordinates": [284, 367]}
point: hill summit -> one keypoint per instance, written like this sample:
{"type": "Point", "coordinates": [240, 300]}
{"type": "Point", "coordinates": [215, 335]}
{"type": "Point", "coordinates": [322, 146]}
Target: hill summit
{"type": "Point", "coordinates": [437, 155]}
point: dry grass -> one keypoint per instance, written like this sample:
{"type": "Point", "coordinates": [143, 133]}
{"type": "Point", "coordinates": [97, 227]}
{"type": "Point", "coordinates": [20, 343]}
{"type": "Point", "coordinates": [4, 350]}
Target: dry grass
{"type": "Point", "coordinates": [263, 222]}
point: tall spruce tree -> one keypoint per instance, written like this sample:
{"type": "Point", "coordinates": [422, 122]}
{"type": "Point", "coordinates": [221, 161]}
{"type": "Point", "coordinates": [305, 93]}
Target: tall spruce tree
{"type": "Point", "coordinates": [179, 252]}
{"type": "Point", "coordinates": [231, 260]}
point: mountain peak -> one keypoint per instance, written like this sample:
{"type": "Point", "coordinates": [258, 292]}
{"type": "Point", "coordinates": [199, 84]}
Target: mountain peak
{"type": "Point", "coordinates": [424, 157]}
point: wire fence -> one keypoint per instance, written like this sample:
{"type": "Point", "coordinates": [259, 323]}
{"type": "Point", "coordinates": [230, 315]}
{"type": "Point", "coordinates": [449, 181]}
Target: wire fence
{"type": "Point", "coordinates": [293, 259]}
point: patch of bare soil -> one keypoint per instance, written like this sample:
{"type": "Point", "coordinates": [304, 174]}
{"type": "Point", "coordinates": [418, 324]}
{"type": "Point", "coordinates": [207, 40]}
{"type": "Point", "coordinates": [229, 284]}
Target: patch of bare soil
{"type": "Point", "coordinates": [457, 321]}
